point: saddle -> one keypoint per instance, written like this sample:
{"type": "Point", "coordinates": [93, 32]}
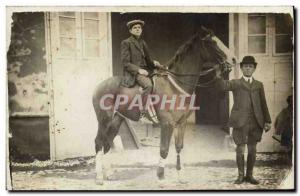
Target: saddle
{"type": "Point", "coordinates": [134, 95]}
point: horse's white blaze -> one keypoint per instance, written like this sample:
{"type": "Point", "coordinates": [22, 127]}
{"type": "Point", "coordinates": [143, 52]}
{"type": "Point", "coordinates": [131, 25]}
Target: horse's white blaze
{"type": "Point", "coordinates": [228, 53]}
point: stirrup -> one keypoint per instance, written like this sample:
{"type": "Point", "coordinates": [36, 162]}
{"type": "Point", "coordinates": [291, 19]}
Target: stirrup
{"type": "Point", "coordinates": [152, 113]}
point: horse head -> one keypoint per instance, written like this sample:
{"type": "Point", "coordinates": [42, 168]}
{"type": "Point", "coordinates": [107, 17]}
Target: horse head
{"type": "Point", "coordinates": [203, 49]}
{"type": "Point", "coordinates": [217, 53]}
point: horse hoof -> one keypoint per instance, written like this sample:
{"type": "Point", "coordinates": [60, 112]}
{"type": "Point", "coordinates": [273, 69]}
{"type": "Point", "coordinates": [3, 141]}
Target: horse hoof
{"type": "Point", "coordinates": [180, 178]}
{"type": "Point", "coordinates": [108, 177]}
{"type": "Point", "coordinates": [181, 181]}
{"type": "Point", "coordinates": [108, 174]}
{"type": "Point", "coordinates": [99, 181]}
{"type": "Point", "coordinates": [161, 173]}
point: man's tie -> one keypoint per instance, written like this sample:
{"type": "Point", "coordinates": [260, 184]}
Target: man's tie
{"type": "Point", "coordinates": [249, 81]}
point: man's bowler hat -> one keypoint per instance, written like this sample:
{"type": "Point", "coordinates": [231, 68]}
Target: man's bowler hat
{"type": "Point", "coordinates": [248, 60]}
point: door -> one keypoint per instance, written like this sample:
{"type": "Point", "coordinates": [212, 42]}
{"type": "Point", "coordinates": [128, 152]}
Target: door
{"type": "Point", "coordinates": [269, 38]}
{"type": "Point", "coordinates": [80, 59]}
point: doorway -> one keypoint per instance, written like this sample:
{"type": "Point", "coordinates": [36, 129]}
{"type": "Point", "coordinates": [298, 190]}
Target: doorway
{"type": "Point", "coordinates": [164, 34]}
{"type": "Point", "coordinates": [214, 107]}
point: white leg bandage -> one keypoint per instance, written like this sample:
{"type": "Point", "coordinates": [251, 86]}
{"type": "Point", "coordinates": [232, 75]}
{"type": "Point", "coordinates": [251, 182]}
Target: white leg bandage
{"type": "Point", "coordinates": [99, 162]}
{"type": "Point", "coordinates": [162, 162]}
{"type": "Point", "coordinates": [118, 144]}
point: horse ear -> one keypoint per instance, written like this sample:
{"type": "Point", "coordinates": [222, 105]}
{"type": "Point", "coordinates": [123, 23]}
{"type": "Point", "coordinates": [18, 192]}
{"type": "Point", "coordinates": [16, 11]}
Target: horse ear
{"type": "Point", "coordinates": [204, 29]}
{"type": "Point", "coordinates": [209, 32]}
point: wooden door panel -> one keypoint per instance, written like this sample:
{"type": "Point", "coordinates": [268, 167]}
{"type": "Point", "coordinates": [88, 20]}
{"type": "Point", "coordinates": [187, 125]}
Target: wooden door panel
{"type": "Point", "coordinates": [73, 84]}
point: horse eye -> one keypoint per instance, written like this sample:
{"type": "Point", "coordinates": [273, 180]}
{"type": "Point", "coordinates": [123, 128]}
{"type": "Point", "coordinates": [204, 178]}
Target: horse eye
{"type": "Point", "coordinates": [207, 38]}
{"type": "Point", "coordinates": [234, 60]}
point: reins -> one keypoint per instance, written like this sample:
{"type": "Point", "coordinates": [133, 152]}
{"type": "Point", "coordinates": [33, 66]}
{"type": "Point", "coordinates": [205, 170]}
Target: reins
{"type": "Point", "coordinates": [177, 76]}
{"type": "Point", "coordinates": [189, 75]}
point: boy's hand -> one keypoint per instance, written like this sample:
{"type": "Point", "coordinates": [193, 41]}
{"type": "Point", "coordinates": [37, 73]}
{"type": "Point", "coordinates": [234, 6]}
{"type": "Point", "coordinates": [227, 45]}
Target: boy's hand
{"type": "Point", "coordinates": [267, 127]}
{"type": "Point", "coordinates": [157, 64]}
{"type": "Point", "coordinates": [143, 72]}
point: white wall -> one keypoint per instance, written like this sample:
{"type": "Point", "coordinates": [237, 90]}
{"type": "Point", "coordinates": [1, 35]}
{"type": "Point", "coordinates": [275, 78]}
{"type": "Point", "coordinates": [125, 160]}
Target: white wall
{"type": "Point", "coordinates": [73, 124]}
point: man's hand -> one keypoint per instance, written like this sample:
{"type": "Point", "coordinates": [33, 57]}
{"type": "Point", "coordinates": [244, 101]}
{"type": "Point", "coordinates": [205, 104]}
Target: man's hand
{"type": "Point", "coordinates": [267, 127]}
{"type": "Point", "coordinates": [143, 72]}
{"type": "Point", "coordinates": [157, 64]}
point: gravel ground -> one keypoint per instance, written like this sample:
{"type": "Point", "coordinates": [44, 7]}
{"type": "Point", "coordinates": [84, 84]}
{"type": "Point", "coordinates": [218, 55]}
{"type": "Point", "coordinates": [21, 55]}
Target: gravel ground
{"type": "Point", "coordinates": [207, 166]}
{"type": "Point", "coordinates": [212, 175]}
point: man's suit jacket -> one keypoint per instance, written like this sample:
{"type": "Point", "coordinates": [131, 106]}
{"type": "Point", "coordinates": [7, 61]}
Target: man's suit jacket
{"type": "Point", "coordinates": [243, 94]}
{"type": "Point", "coordinates": [134, 55]}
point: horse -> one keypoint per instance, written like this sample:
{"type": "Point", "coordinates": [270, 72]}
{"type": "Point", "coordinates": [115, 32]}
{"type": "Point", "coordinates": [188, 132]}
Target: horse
{"type": "Point", "coordinates": [180, 75]}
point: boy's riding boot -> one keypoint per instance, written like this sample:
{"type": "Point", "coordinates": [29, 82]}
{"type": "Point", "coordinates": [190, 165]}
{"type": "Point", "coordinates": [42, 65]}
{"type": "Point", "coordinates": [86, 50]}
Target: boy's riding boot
{"type": "Point", "coordinates": [250, 165]}
{"type": "Point", "coordinates": [240, 164]}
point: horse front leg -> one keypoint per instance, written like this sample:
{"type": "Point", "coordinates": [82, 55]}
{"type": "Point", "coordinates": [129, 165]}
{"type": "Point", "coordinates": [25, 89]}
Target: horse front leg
{"type": "Point", "coordinates": [179, 137]}
{"type": "Point", "coordinates": [165, 138]}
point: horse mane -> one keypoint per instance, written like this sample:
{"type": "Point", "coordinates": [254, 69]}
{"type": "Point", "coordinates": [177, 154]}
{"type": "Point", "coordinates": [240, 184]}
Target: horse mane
{"type": "Point", "coordinates": [182, 50]}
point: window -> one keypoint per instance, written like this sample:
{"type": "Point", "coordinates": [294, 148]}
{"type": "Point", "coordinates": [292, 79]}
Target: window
{"type": "Point", "coordinates": [257, 34]}
{"type": "Point", "coordinates": [91, 34]}
{"type": "Point", "coordinates": [67, 33]}
{"type": "Point", "coordinates": [283, 33]}
{"type": "Point", "coordinates": [79, 34]}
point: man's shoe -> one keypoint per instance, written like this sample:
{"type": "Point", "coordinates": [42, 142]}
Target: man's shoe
{"type": "Point", "coordinates": [250, 165]}
{"type": "Point", "coordinates": [239, 180]}
{"type": "Point", "coordinates": [251, 180]}
{"type": "Point", "coordinates": [240, 164]}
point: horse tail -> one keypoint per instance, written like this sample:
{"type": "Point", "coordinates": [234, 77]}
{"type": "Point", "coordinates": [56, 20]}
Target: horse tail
{"type": "Point", "coordinates": [111, 86]}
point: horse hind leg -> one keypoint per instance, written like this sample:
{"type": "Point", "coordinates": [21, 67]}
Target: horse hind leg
{"type": "Point", "coordinates": [107, 130]}
{"type": "Point", "coordinates": [99, 144]}
{"type": "Point", "coordinates": [99, 167]}
{"type": "Point", "coordinates": [112, 132]}
{"type": "Point", "coordinates": [115, 143]}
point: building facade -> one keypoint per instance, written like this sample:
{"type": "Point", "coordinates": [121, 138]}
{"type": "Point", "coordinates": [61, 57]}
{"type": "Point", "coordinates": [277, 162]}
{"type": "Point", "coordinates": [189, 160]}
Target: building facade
{"type": "Point", "coordinates": [269, 38]}
{"type": "Point", "coordinates": [56, 59]}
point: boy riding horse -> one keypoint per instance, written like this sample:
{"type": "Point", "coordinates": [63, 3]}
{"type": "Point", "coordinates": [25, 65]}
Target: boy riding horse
{"type": "Point", "coordinates": [136, 59]}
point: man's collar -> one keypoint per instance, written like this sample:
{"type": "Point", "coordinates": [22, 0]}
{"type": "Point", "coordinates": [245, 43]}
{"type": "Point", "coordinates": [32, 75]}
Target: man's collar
{"type": "Point", "coordinates": [247, 78]}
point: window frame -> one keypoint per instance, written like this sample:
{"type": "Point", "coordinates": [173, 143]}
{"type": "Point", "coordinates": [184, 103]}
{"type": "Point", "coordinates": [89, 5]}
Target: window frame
{"type": "Point", "coordinates": [274, 40]}
{"type": "Point", "coordinates": [84, 56]}
{"type": "Point", "coordinates": [266, 53]}
{"type": "Point", "coordinates": [79, 36]}
{"type": "Point", "coordinates": [60, 14]}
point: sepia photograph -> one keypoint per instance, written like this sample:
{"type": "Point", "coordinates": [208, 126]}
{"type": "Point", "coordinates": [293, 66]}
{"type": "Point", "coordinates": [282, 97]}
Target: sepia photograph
{"type": "Point", "coordinates": [150, 98]}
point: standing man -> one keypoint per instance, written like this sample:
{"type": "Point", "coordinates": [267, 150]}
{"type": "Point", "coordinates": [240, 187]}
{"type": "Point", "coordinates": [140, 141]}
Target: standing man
{"type": "Point", "coordinates": [249, 117]}
{"type": "Point", "coordinates": [284, 127]}
{"type": "Point", "coordinates": [136, 59]}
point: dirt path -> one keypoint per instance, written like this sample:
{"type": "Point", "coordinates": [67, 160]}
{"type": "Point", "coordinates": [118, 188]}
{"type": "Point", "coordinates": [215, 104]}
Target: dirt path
{"type": "Point", "coordinates": [212, 175]}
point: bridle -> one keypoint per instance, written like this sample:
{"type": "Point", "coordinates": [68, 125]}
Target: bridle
{"type": "Point", "coordinates": [207, 84]}
{"type": "Point", "coordinates": [224, 66]}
